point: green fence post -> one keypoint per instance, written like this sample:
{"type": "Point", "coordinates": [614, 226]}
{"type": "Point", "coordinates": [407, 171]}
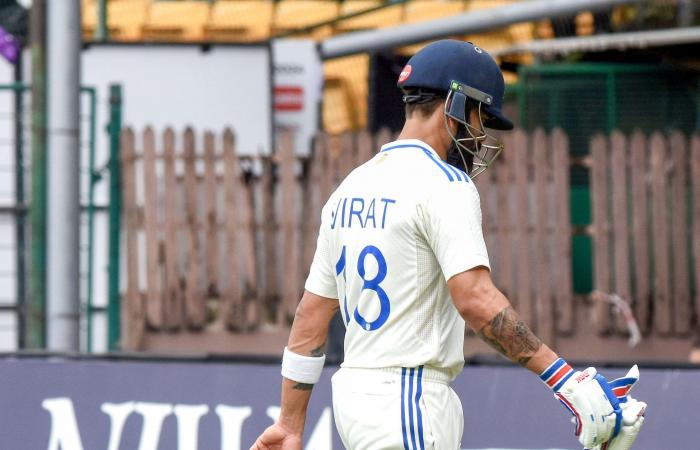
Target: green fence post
{"type": "Point", "coordinates": [93, 178]}
{"type": "Point", "coordinates": [36, 305]}
{"type": "Point", "coordinates": [102, 31]}
{"type": "Point", "coordinates": [115, 207]}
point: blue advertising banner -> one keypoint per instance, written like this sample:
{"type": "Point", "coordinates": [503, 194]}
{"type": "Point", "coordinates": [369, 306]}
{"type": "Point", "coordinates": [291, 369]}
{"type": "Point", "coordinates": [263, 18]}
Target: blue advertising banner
{"type": "Point", "coordinates": [92, 404]}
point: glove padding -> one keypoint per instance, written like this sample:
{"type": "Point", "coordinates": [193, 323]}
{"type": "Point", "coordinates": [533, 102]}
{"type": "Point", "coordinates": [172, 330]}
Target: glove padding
{"type": "Point", "coordinates": [597, 412]}
{"type": "Point", "coordinates": [632, 412]}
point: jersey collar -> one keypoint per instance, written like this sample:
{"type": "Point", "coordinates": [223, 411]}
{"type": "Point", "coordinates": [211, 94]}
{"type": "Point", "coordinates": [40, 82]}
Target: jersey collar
{"type": "Point", "coordinates": [408, 143]}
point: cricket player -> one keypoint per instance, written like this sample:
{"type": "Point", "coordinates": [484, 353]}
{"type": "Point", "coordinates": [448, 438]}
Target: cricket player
{"type": "Point", "coordinates": [401, 255]}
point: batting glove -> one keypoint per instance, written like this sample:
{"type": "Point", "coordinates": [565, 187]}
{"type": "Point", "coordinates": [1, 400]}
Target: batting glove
{"type": "Point", "coordinates": [589, 397]}
{"type": "Point", "coordinates": [632, 412]}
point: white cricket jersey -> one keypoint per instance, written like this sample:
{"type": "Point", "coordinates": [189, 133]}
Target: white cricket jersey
{"type": "Point", "coordinates": [392, 234]}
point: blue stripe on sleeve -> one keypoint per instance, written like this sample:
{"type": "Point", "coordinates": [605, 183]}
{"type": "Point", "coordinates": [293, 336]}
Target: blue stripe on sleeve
{"type": "Point", "coordinates": [403, 410]}
{"type": "Point", "coordinates": [428, 153]}
{"type": "Point", "coordinates": [440, 164]}
{"type": "Point", "coordinates": [461, 176]}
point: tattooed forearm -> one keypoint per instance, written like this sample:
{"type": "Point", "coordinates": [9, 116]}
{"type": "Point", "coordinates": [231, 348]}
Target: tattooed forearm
{"type": "Point", "coordinates": [318, 351]}
{"type": "Point", "coordinates": [510, 336]}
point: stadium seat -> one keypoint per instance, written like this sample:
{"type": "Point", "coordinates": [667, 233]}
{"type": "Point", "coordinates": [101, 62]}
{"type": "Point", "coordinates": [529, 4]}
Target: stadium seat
{"type": "Point", "coordinates": [584, 24]}
{"type": "Point", "coordinates": [246, 20]}
{"type": "Point", "coordinates": [385, 17]}
{"type": "Point", "coordinates": [125, 19]}
{"type": "Point", "coordinates": [176, 20]}
{"type": "Point", "coordinates": [295, 14]}
{"type": "Point", "coordinates": [424, 10]}
{"type": "Point", "coordinates": [345, 93]}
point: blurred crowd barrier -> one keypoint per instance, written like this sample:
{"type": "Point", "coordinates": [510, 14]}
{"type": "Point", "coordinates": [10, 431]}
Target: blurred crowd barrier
{"type": "Point", "coordinates": [218, 245]}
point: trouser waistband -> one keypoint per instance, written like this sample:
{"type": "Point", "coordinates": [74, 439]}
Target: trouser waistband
{"type": "Point", "coordinates": [428, 373]}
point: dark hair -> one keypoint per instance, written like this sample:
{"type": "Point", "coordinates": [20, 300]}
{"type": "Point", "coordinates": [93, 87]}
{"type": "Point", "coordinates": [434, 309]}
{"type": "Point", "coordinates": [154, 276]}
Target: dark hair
{"type": "Point", "coordinates": [425, 109]}
{"type": "Point", "coordinates": [422, 101]}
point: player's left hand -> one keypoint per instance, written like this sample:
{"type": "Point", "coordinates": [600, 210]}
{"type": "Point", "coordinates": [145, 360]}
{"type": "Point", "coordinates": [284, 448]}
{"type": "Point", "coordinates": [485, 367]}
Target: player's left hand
{"type": "Point", "coordinates": [597, 414]}
{"type": "Point", "coordinates": [632, 412]}
{"type": "Point", "coordinates": [277, 437]}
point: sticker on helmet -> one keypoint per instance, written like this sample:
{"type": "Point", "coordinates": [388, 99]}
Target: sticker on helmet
{"type": "Point", "coordinates": [405, 73]}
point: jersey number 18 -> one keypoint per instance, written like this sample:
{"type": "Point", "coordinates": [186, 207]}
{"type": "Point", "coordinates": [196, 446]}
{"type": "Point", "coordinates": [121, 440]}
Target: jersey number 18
{"type": "Point", "coordinates": [371, 284]}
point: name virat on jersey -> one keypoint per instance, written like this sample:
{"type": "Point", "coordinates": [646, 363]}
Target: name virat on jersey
{"type": "Point", "coordinates": [368, 213]}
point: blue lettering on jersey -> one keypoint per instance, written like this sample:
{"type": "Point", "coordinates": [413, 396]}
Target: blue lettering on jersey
{"type": "Point", "coordinates": [363, 210]}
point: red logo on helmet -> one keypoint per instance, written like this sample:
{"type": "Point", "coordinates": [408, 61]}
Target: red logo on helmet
{"type": "Point", "coordinates": [405, 73]}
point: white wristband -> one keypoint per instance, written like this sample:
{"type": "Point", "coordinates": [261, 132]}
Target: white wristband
{"type": "Point", "coordinates": [302, 369]}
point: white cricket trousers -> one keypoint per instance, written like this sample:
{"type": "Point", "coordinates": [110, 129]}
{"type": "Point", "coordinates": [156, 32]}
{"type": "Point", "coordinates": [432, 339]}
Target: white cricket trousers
{"type": "Point", "coordinates": [396, 408]}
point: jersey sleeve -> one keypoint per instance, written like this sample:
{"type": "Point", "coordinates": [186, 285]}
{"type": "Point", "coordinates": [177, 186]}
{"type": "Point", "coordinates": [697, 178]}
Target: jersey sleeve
{"type": "Point", "coordinates": [321, 280]}
{"type": "Point", "coordinates": [451, 221]}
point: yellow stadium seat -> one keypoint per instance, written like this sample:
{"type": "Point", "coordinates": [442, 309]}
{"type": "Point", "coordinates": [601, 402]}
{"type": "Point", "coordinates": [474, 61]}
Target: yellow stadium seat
{"type": "Point", "coordinates": [246, 20]}
{"type": "Point", "coordinates": [345, 93]}
{"type": "Point", "coordinates": [584, 24]}
{"type": "Point", "coordinates": [177, 20]}
{"type": "Point", "coordinates": [295, 14]}
{"type": "Point", "coordinates": [385, 17]}
{"type": "Point", "coordinates": [424, 10]}
{"type": "Point", "coordinates": [125, 19]}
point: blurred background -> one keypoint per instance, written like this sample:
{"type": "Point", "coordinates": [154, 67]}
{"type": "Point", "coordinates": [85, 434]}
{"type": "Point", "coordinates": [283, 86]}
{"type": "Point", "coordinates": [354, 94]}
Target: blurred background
{"type": "Point", "coordinates": [163, 164]}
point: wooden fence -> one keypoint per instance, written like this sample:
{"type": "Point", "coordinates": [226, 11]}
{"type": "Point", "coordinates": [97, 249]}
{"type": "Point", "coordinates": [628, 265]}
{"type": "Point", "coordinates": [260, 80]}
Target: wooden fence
{"type": "Point", "coordinates": [646, 210]}
{"type": "Point", "coordinates": [218, 243]}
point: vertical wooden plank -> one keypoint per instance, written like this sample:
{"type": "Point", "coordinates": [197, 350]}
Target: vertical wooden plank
{"type": "Point", "coordinates": [195, 311]}
{"type": "Point", "coordinates": [322, 159]}
{"type": "Point", "coordinates": [484, 185]}
{"type": "Point", "coordinates": [502, 216]}
{"type": "Point", "coordinates": [154, 292]}
{"type": "Point", "coordinates": [290, 240]}
{"type": "Point", "coordinates": [523, 288]}
{"type": "Point", "coordinates": [640, 230]}
{"type": "Point", "coordinates": [133, 304]}
{"type": "Point", "coordinates": [254, 307]}
{"type": "Point", "coordinates": [172, 311]}
{"type": "Point", "coordinates": [251, 314]}
{"type": "Point", "coordinates": [232, 301]}
{"type": "Point", "coordinates": [540, 208]}
{"type": "Point", "coordinates": [269, 228]}
{"type": "Point", "coordinates": [601, 229]}
{"type": "Point", "coordinates": [565, 309]}
{"type": "Point", "coordinates": [211, 226]}
{"type": "Point", "coordinates": [365, 147]}
{"type": "Point", "coordinates": [663, 314]}
{"type": "Point", "coordinates": [313, 203]}
{"type": "Point", "coordinates": [695, 171]}
{"type": "Point", "coordinates": [682, 307]}
{"type": "Point", "coordinates": [620, 240]}
{"type": "Point", "coordinates": [347, 157]}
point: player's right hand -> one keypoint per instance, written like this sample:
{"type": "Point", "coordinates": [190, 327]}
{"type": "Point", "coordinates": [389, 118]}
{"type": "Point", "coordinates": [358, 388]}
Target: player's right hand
{"type": "Point", "coordinates": [276, 437]}
{"type": "Point", "coordinates": [597, 413]}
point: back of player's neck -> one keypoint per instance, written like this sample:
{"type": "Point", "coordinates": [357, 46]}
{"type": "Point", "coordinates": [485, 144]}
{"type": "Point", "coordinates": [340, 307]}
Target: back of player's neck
{"type": "Point", "coordinates": [419, 130]}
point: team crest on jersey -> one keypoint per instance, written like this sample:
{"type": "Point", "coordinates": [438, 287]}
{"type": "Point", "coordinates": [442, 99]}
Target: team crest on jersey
{"type": "Point", "coordinates": [405, 73]}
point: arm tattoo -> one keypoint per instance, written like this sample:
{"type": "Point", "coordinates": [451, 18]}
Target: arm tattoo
{"type": "Point", "coordinates": [510, 336]}
{"type": "Point", "coordinates": [318, 351]}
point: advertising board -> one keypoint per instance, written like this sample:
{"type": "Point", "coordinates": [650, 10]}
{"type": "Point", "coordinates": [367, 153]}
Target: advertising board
{"type": "Point", "coordinates": [89, 404]}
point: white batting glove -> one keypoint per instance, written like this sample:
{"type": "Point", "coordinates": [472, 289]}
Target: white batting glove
{"type": "Point", "coordinates": [632, 412]}
{"type": "Point", "coordinates": [588, 396]}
